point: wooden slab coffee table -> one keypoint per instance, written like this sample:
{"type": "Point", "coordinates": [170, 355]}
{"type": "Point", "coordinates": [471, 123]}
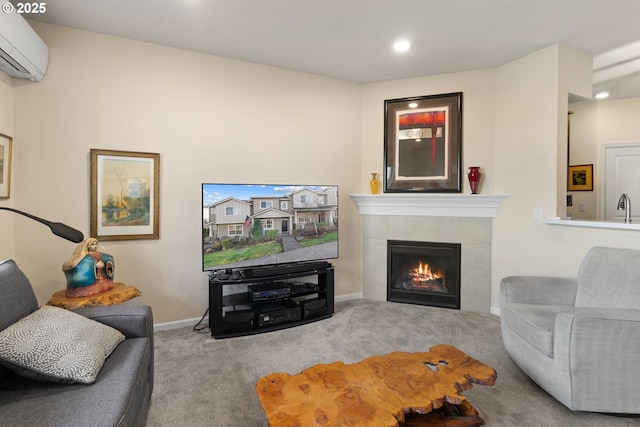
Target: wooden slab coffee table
{"type": "Point", "coordinates": [381, 391]}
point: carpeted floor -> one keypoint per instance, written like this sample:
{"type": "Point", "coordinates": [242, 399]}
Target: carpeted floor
{"type": "Point", "coordinates": [201, 381]}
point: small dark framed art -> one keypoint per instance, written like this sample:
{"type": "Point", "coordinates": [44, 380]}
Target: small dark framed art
{"type": "Point", "coordinates": [423, 144]}
{"type": "Point", "coordinates": [580, 178]}
{"type": "Point", "coordinates": [125, 195]}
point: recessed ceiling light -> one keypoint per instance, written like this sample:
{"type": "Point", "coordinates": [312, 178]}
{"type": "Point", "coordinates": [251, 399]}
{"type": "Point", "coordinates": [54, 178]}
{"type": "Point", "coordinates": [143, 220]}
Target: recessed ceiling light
{"type": "Point", "coordinates": [602, 95]}
{"type": "Point", "coordinates": [401, 46]}
{"type": "Point", "coordinates": [413, 105]}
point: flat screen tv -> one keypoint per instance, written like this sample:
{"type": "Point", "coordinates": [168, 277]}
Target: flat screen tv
{"type": "Point", "coordinates": [255, 225]}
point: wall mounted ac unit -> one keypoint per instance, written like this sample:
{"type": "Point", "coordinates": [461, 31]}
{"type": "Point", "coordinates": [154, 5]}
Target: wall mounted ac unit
{"type": "Point", "coordinates": [23, 54]}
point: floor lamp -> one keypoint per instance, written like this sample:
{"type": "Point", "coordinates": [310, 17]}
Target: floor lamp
{"type": "Point", "coordinates": [57, 228]}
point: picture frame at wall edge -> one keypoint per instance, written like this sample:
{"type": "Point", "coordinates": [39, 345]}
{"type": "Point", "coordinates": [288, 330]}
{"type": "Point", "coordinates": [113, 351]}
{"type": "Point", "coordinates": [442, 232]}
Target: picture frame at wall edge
{"type": "Point", "coordinates": [6, 145]}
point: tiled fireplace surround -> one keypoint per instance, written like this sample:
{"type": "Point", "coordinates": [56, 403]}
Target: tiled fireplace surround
{"type": "Point", "coordinates": [446, 218]}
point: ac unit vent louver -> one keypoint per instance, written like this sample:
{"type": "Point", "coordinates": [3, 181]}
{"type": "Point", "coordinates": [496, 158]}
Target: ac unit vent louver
{"type": "Point", "coordinates": [23, 54]}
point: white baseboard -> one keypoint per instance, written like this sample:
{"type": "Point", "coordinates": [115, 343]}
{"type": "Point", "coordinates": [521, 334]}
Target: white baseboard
{"type": "Point", "coordinates": [176, 324]}
{"type": "Point", "coordinates": [495, 310]}
{"type": "Point", "coordinates": [349, 297]}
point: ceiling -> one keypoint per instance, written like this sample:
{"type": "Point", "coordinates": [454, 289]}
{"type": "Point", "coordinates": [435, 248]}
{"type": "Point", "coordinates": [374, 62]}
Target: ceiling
{"type": "Point", "coordinates": [352, 39]}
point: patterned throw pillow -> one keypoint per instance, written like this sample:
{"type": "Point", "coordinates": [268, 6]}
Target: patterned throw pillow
{"type": "Point", "coordinates": [56, 345]}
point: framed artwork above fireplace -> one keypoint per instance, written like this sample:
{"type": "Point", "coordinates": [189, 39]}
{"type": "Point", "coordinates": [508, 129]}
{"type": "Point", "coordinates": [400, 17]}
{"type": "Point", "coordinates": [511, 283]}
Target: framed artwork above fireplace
{"type": "Point", "coordinates": [423, 144]}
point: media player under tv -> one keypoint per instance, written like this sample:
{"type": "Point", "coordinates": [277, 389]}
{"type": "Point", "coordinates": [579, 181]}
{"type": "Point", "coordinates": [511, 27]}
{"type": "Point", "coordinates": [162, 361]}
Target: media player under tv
{"type": "Point", "coordinates": [268, 314]}
{"type": "Point", "coordinates": [269, 291]}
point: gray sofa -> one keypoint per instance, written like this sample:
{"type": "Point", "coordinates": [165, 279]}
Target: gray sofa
{"type": "Point", "coordinates": [119, 397]}
{"type": "Point", "coordinates": [579, 338]}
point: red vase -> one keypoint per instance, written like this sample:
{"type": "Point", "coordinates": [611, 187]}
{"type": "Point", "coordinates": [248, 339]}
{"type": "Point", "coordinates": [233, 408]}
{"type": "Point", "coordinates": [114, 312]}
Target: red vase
{"type": "Point", "coordinates": [474, 178]}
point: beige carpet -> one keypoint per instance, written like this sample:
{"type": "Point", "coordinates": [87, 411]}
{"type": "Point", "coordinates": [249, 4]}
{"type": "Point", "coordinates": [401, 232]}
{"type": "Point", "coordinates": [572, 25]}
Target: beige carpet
{"type": "Point", "coordinates": [201, 381]}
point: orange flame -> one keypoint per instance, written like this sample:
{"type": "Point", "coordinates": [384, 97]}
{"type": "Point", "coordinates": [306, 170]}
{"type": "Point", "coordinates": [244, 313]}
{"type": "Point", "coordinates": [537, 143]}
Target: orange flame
{"type": "Point", "coordinates": [424, 273]}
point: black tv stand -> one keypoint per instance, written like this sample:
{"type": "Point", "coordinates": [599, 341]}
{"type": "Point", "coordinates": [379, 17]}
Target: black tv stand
{"type": "Point", "coordinates": [271, 298]}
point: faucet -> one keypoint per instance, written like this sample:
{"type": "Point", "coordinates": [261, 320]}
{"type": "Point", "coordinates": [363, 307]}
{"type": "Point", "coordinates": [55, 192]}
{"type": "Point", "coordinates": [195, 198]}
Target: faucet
{"type": "Point", "coordinates": [625, 203]}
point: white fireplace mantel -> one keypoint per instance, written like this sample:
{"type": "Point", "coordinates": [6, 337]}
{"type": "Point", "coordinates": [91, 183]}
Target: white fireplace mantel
{"type": "Point", "coordinates": [431, 204]}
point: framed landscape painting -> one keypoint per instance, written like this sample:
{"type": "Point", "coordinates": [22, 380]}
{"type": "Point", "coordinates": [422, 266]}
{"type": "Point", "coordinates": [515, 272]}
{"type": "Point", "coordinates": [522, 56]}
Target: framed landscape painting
{"type": "Point", "coordinates": [423, 144]}
{"type": "Point", "coordinates": [125, 195]}
{"type": "Point", "coordinates": [5, 166]}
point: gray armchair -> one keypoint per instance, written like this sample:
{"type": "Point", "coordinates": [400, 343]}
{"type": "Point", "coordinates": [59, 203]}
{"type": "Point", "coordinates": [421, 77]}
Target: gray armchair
{"type": "Point", "coordinates": [579, 338]}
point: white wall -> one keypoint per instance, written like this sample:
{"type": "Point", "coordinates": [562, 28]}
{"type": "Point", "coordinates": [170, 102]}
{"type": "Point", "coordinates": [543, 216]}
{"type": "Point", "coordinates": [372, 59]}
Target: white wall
{"type": "Point", "coordinates": [526, 167]}
{"type": "Point", "coordinates": [7, 219]}
{"type": "Point", "coordinates": [515, 127]}
{"type": "Point", "coordinates": [584, 150]}
{"type": "Point", "coordinates": [531, 132]}
{"type": "Point", "coordinates": [478, 91]}
{"type": "Point", "coordinates": [211, 119]}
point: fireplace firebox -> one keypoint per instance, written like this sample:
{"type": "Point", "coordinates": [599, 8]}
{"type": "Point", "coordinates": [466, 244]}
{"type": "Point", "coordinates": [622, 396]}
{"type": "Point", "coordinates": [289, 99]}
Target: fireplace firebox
{"type": "Point", "coordinates": [426, 273]}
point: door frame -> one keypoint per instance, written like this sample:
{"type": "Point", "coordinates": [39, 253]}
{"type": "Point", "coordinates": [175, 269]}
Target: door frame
{"type": "Point", "coordinates": [606, 150]}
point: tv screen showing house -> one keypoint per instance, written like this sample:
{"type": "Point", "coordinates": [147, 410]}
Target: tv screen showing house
{"type": "Point", "coordinates": [249, 225]}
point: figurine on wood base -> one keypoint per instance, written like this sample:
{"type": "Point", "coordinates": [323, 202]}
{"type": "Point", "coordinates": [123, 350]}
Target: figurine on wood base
{"type": "Point", "coordinates": [88, 271]}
